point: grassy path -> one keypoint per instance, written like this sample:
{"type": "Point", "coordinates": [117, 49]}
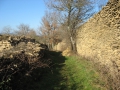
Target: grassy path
{"type": "Point", "coordinates": [70, 73]}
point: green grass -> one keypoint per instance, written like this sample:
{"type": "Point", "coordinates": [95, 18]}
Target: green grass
{"type": "Point", "coordinates": [81, 75]}
{"type": "Point", "coordinates": [69, 73]}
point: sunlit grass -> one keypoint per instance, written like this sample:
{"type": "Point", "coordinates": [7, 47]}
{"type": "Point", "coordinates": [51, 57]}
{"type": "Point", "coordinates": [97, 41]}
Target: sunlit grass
{"type": "Point", "coordinates": [69, 73]}
{"type": "Point", "coordinates": [81, 75]}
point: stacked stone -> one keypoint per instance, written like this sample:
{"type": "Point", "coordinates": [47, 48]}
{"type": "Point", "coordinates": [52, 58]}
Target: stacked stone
{"type": "Point", "coordinates": [13, 45]}
{"type": "Point", "coordinates": [99, 40]}
{"type": "Point", "coordinates": [111, 14]}
{"type": "Point", "coordinates": [5, 45]}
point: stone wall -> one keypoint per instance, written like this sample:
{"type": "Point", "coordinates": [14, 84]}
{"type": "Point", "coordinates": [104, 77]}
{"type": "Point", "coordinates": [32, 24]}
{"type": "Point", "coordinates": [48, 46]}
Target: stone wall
{"type": "Point", "coordinates": [21, 60]}
{"type": "Point", "coordinates": [61, 46]}
{"type": "Point", "coordinates": [10, 46]}
{"type": "Point", "coordinates": [4, 45]}
{"type": "Point", "coordinates": [99, 38]}
{"type": "Point", "coordinates": [7, 41]}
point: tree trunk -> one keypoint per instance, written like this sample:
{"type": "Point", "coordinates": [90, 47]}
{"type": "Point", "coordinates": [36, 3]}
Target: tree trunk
{"type": "Point", "coordinates": [74, 48]}
{"type": "Point", "coordinates": [73, 45]}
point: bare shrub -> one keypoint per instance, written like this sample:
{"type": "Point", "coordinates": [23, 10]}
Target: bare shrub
{"type": "Point", "coordinates": [14, 72]}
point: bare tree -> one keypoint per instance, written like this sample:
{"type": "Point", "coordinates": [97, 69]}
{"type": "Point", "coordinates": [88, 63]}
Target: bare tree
{"type": "Point", "coordinates": [32, 33]}
{"type": "Point", "coordinates": [49, 28]}
{"type": "Point", "coordinates": [23, 29]}
{"type": "Point", "coordinates": [6, 30]}
{"type": "Point", "coordinates": [74, 12]}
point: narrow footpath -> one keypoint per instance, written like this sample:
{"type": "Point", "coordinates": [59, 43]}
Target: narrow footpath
{"type": "Point", "coordinates": [70, 73]}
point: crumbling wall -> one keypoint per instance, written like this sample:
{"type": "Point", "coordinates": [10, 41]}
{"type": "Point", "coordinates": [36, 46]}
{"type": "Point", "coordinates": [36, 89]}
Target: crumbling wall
{"type": "Point", "coordinates": [99, 39]}
{"type": "Point", "coordinates": [12, 45]}
{"type": "Point", "coordinates": [21, 59]}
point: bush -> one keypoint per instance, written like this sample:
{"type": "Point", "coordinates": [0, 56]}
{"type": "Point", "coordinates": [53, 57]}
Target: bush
{"type": "Point", "coordinates": [18, 72]}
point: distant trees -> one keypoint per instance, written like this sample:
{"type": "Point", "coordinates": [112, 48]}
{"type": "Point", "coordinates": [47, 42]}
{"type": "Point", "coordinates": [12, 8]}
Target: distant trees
{"type": "Point", "coordinates": [6, 30]}
{"type": "Point", "coordinates": [49, 29]}
{"type": "Point", "coordinates": [23, 29]}
{"type": "Point", "coordinates": [74, 12]}
{"type": "Point", "coordinates": [32, 33]}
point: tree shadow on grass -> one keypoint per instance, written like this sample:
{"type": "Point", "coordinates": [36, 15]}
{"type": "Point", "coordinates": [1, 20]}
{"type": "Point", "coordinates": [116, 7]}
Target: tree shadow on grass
{"type": "Point", "coordinates": [52, 78]}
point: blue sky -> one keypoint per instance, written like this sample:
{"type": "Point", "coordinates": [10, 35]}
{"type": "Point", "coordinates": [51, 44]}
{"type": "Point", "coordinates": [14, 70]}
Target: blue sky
{"type": "Point", "coordinates": [29, 12]}
{"type": "Point", "coordinates": [15, 12]}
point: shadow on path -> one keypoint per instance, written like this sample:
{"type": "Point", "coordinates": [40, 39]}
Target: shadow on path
{"type": "Point", "coordinates": [52, 79]}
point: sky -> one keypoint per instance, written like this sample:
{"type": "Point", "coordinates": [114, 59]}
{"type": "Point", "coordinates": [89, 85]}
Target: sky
{"type": "Point", "coordinates": [28, 12]}
{"type": "Point", "coordinates": [15, 12]}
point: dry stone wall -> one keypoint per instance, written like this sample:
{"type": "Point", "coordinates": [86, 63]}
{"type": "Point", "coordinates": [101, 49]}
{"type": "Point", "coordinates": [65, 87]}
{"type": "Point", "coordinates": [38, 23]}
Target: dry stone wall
{"type": "Point", "coordinates": [20, 60]}
{"type": "Point", "coordinates": [99, 38]}
{"type": "Point", "coordinates": [10, 46]}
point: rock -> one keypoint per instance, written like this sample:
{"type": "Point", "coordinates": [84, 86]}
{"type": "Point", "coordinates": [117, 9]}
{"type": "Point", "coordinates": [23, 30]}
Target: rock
{"type": "Point", "coordinates": [12, 45]}
{"type": "Point", "coordinates": [99, 39]}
